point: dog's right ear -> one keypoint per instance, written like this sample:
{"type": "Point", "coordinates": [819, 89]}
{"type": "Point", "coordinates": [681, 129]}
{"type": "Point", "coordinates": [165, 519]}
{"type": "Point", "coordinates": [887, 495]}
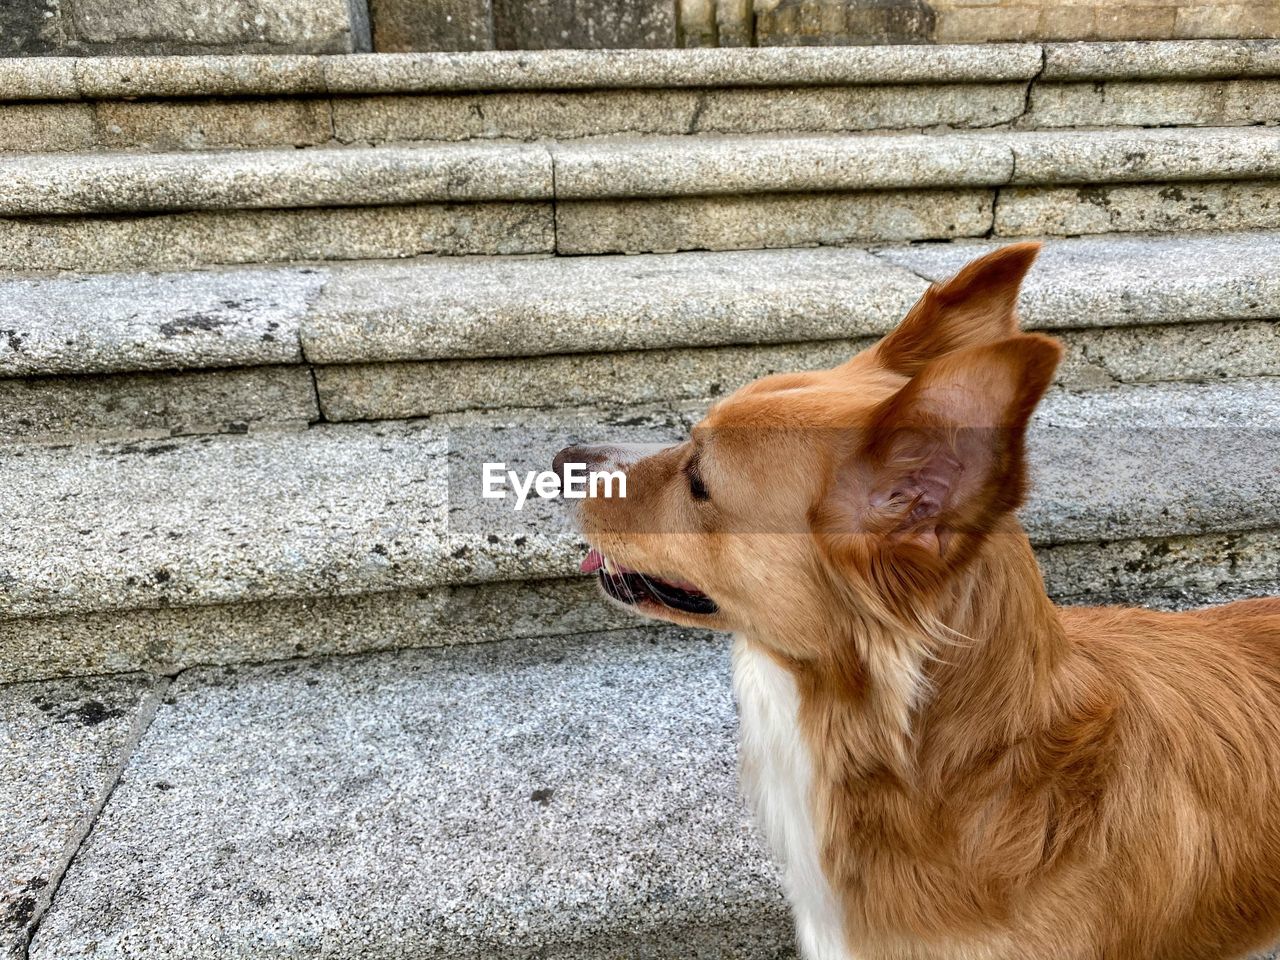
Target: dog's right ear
{"type": "Point", "coordinates": [938, 464]}
{"type": "Point", "coordinates": [977, 306]}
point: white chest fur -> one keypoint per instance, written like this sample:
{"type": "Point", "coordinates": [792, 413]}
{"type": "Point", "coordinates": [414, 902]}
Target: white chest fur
{"type": "Point", "coordinates": [776, 775]}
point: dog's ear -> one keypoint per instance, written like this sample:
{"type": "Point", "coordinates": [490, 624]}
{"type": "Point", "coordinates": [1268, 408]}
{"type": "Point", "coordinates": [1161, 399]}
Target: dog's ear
{"type": "Point", "coordinates": [944, 455]}
{"type": "Point", "coordinates": [976, 306]}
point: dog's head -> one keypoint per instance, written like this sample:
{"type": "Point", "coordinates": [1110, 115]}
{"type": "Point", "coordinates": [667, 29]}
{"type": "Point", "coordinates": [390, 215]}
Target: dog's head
{"type": "Point", "coordinates": [872, 484]}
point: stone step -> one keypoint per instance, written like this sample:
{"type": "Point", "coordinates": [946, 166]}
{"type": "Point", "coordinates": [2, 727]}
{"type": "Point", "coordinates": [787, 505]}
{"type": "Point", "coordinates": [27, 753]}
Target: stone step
{"type": "Point", "coordinates": [562, 797]}
{"type": "Point", "coordinates": [432, 337]}
{"type": "Point", "coordinates": [568, 797]}
{"type": "Point", "coordinates": [151, 354]}
{"type": "Point", "coordinates": [45, 185]}
{"type": "Point", "coordinates": [247, 102]}
{"type": "Point", "coordinates": [654, 194]}
{"type": "Point", "coordinates": [668, 194]}
{"type": "Point", "coordinates": [122, 556]}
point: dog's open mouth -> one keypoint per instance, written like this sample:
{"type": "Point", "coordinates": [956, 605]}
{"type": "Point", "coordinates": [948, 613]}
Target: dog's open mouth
{"type": "Point", "coordinates": [637, 589]}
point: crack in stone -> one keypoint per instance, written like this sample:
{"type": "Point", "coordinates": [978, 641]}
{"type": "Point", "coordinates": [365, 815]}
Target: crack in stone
{"type": "Point", "coordinates": [141, 724]}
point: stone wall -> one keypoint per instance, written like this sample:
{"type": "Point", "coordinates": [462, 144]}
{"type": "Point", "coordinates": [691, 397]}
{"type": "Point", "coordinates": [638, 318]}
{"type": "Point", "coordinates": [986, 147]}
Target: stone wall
{"type": "Point", "coordinates": [970, 21]}
{"type": "Point", "coordinates": [543, 24]}
{"type": "Point", "coordinates": [45, 27]}
{"type": "Point", "coordinates": [105, 27]}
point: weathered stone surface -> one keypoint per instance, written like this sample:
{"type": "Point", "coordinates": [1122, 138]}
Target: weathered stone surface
{"type": "Point", "coordinates": [515, 115]}
{"type": "Point", "coordinates": [1254, 19]}
{"type": "Point", "coordinates": [570, 798]}
{"type": "Point", "coordinates": [573, 114]}
{"type": "Point", "coordinates": [126, 183]}
{"type": "Point", "coordinates": [1177, 571]}
{"type": "Point", "coordinates": [402, 390]}
{"type": "Point", "coordinates": [270, 236]}
{"type": "Point", "coordinates": [441, 309]}
{"type": "Point", "coordinates": [1163, 103]}
{"type": "Point", "coordinates": [1125, 280]}
{"type": "Point", "coordinates": [157, 404]}
{"type": "Point", "coordinates": [466, 308]}
{"type": "Point", "coordinates": [202, 124]}
{"type": "Point", "coordinates": [63, 744]}
{"type": "Point", "coordinates": [963, 23]}
{"type": "Point", "coordinates": [700, 23]}
{"type": "Point", "coordinates": [50, 127]}
{"type": "Point", "coordinates": [835, 109]}
{"type": "Point", "coordinates": [1128, 23]}
{"type": "Point", "coordinates": [1173, 571]}
{"type": "Point", "coordinates": [31, 28]}
{"type": "Point", "coordinates": [837, 22]}
{"type": "Point", "coordinates": [197, 26]}
{"type": "Point", "coordinates": [34, 78]}
{"type": "Point", "coordinates": [1112, 156]}
{"type": "Point", "coordinates": [734, 22]}
{"type": "Point", "coordinates": [500, 308]}
{"type": "Point", "coordinates": [175, 638]}
{"type": "Point", "coordinates": [1094, 358]}
{"type": "Point", "coordinates": [153, 321]}
{"type": "Point", "coordinates": [769, 220]}
{"type": "Point", "coordinates": [203, 519]}
{"type": "Point", "coordinates": [108, 78]}
{"type": "Point", "coordinates": [38, 78]}
{"type": "Point", "coordinates": [401, 26]}
{"type": "Point", "coordinates": [583, 24]}
{"type": "Point", "coordinates": [352, 509]}
{"type": "Point", "coordinates": [603, 70]}
{"type": "Point", "coordinates": [1200, 351]}
{"type": "Point", "coordinates": [1152, 461]}
{"type": "Point", "coordinates": [664, 167]}
{"type": "Point", "coordinates": [1162, 60]}
{"type": "Point", "coordinates": [1123, 208]}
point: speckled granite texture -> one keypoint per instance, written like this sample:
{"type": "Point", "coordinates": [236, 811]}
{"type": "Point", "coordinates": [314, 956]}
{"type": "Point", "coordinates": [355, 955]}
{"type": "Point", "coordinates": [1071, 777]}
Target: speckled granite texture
{"type": "Point", "coordinates": [60, 746]}
{"type": "Point", "coordinates": [557, 799]}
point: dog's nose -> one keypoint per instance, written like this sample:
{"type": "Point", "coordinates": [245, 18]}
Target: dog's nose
{"type": "Point", "coordinates": [591, 456]}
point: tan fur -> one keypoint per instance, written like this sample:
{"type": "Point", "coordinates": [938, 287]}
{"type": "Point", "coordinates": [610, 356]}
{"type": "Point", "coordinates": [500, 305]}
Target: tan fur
{"type": "Point", "coordinates": [993, 776]}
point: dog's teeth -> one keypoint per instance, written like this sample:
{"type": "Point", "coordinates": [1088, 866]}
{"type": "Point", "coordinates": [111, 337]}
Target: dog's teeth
{"type": "Point", "coordinates": [608, 566]}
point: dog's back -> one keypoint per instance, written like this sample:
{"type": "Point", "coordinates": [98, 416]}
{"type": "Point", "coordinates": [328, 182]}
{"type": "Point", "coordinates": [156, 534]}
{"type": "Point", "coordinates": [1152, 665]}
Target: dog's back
{"type": "Point", "coordinates": [1197, 762]}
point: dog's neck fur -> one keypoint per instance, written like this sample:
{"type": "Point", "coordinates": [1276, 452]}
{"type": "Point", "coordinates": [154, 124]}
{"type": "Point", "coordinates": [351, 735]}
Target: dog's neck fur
{"type": "Point", "coordinates": [905, 722]}
{"type": "Point", "coordinates": [986, 657]}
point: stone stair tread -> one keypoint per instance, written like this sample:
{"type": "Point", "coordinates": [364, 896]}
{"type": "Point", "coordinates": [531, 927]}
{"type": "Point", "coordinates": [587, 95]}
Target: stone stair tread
{"type": "Point", "coordinates": [433, 309]}
{"type": "Point", "coordinates": [117, 322]}
{"type": "Point", "coordinates": [685, 166]}
{"type": "Point", "coordinates": [57, 184]}
{"type": "Point", "coordinates": [71, 78]}
{"type": "Point", "coordinates": [447, 308]}
{"type": "Point", "coordinates": [105, 78]}
{"type": "Point", "coordinates": [376, 507]}
{"type": "Point", "coordinates": [573, 798]}
{"type": "Point", "coordinates": [63, 742]}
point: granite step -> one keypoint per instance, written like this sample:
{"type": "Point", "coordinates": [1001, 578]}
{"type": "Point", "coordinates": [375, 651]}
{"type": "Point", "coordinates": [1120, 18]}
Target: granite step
{"type": "Point", "coordinates": [196, 103]}
{"type": "Point", "coordinates": [136, 555]}
{"type": "Point", "coordinates": [653, 194]}
{"type": "Point", "coordinates": [670, 194]}
{"type": "Point", "coordinates": [568, 797]}
{"type": "Point", "coordinates": [46, 185]}
{"type": "Point", "coordinates": [401, 340]}
{"type": "Point", "coordinates": [154, 354]}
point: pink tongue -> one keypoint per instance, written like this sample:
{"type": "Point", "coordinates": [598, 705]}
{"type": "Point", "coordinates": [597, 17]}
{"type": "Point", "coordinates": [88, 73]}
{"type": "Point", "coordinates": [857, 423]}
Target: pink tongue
{"type": "Point", "coordinates": [595, 561]}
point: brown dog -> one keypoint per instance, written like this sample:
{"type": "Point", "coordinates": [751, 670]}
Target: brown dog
{"type": "Point", "coordinates": [948, 766]}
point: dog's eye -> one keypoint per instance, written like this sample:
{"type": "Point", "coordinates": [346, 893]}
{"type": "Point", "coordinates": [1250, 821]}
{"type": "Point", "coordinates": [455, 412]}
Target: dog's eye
{"type": "Point", "coordinates": [697, 489]}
